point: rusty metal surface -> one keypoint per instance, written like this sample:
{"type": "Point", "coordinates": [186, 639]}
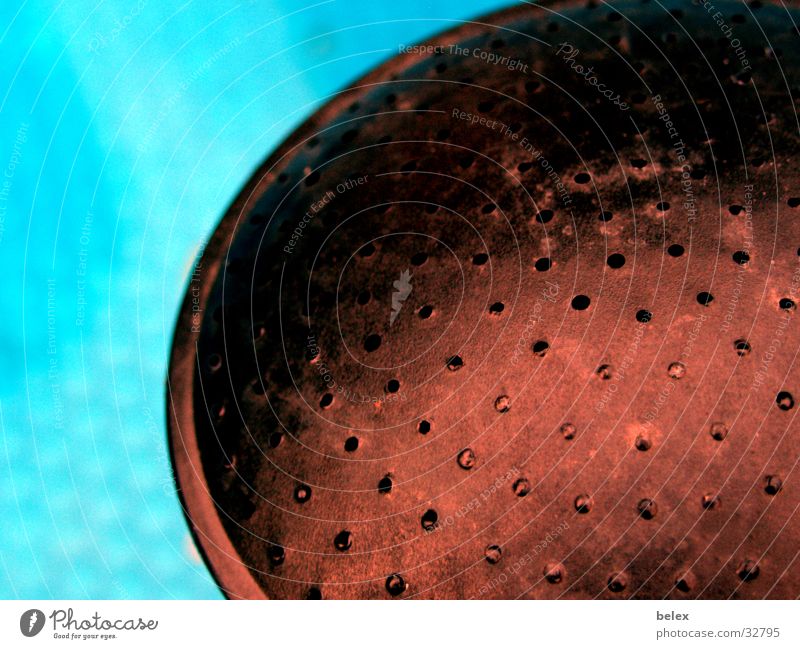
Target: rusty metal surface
{"type": "Point", "coordinates": [495, 327]}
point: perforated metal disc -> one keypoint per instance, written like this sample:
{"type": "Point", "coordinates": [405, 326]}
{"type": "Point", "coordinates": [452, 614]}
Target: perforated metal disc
{"type": "Point", "coordinates": [514, 316]}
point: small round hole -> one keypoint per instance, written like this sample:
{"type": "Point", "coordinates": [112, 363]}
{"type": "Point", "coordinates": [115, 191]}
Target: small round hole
{"type": "Point", "coordinates": [583, 504]}
{"type": "Point", "coordinates": [582, 178]}
{"type": "Point", "coordinates": [663, 206]}
{"type": "Point", "coordinates": [786, 304]}
{"type": "Point", "coordinates": [553, 573]}
{"type": "Point", "coordinates": [395, 585]}
{"type": "Point", "coordinates": [392, 386]}
{"type": "Point", "coordinates": [466, 459]}
{"type": "Point", "coordinates": [676, 370]}
{"type": "Point", "coordinates": [419, 259]}
{"type": "Point", "coordinates": [742, 347]}
{"type": "Point", "coordinates": [343, 541]}
{"type": "Point", "coordinates": [424, 427]}
{"type": "Point", "coordinates": [302, 493]}
{"type": "Point", "coordinates": [618, 582]}
{"type": "Point", "coordinates": [772, 484]}
{"type": "Point", "coordinates": [372, 342]}
{"type": "Point", "coordinates": [741, 257]}
{"type": "Point", "coordinates": [718, 431]}
{"type": "Point", "coordinates": [455, 363]}
{"type": "Point", "coordinates": [545, 216]}
{"type": "Point", "coordinates": [276, 554]}
{"type": "Point", "coordinates": [705, 298]}
{"type": "Point", "coordinates": [385, 485]}
{"type": "Point", "coordinates": [425, 312]}
{"type": "Point", "coordinates": [643, 315]}
{"type": "Point", "coordinates": [351, 444]}
{"type": "Point", "coordinates": [532, 86]}
{"type": "Point", "coordinates": [748, 570]}
{"type": "Point", "coordinates": [543, 264]}
{"type": "Point", "coordinates": [326, 400]}
{"type": "Point", "coordinates": [493, 554]}
{"type": "Point", "coordinates": [675, 250]}
{"type": "Point", "coordinates": [616, 260]}
{"type": "Point", "coordinates": [429, 519]}
{"type": "Point", "coordinates": [581, 302]}
{"type": "Point", "coordinates": [785, 400]}
{"type": "Point", "coordinates": [466, 161]}
{"type": "Point", "coordinates": [480, 259]}
{"type": "Point", "coordinates": [647, 509]}
{"type": "Point", "coordinates": [502, 403]}
{"type": "Point", "coordinates": [363, 297]}
{"type": "Point", "coordinates": [605, 372]}
{"type": "Point", "coordinates": [540, 347]}
{"type": "Point", "coordinates": [496, 308]}
{"type": "Point", "coordinates": [521, 487]}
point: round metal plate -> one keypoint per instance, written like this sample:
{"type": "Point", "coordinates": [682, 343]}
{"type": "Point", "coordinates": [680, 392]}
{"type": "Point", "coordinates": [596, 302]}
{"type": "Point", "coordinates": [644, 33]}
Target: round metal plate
{"type": "Point", "coordinates": [513, 316]}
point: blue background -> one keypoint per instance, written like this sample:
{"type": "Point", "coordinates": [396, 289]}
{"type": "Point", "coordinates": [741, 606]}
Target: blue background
{"type": "Point", "coordinates": [126, 127]}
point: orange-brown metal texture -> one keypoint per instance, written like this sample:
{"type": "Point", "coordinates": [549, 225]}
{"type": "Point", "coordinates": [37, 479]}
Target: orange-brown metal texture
{"type": "Point", "coordinates": [514, 316]}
